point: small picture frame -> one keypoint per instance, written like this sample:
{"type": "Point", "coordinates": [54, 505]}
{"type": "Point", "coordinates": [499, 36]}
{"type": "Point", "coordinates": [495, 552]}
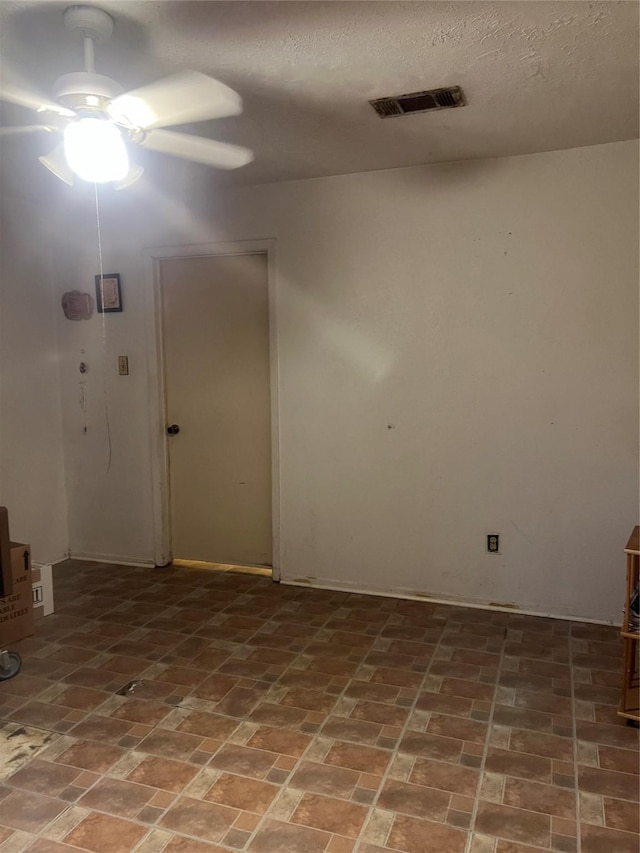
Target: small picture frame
{"type": "Point", "coordinates": [108, 293]}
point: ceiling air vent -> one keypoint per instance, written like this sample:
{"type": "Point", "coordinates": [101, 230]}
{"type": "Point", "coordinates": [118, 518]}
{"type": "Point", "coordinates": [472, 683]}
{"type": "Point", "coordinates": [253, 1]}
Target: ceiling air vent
{"type": "Point", "coordinates": [419, 102]}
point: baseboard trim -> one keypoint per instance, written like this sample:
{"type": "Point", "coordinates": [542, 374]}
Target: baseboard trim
{"type": "Point", "coordinates": [114, 559]}
{"type": "Point", "coordinates": [37, 563]}
{"type": "Point", "coordinates": [408, 595]}
{"type": "Point", "coordinates": [337, 586]}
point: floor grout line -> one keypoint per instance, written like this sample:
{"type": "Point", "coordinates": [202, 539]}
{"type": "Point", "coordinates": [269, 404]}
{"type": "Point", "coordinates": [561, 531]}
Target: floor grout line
{"type": "Point", "coordinates": [574, 732]}
{"type": "Point", "coordinates": [487, 744]}
{"type": "Point", "coordinates": [403, 730]}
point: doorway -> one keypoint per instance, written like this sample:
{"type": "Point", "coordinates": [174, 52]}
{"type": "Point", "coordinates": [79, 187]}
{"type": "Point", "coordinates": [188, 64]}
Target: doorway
{"type": "Point", "coordinates": [217, 388]}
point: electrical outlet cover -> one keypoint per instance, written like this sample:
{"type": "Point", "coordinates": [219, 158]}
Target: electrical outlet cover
{"type": "Point", "coordinates": [493, 543]}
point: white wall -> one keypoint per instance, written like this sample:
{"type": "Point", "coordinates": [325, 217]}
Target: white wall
{"type": "Point", "coordinates": [106, 442]}
{"type": "Point", "coordinates": [31, 452]}
{"type": "Point", "coordinates": [459, 355]}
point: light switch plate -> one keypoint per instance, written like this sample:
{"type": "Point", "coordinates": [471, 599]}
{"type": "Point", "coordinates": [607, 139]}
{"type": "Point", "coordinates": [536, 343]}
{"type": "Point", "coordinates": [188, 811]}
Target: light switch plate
{"type": "Point", "coordinates": [123, 365]}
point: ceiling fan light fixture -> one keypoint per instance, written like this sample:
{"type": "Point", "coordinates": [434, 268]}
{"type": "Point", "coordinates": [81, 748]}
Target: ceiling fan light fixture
{"type": "Point", "coordinates": [56, 162]}
{"type": "Point", "coordinates": [95, 150]}
{"type": "Point", "coordinates": [101, 121]}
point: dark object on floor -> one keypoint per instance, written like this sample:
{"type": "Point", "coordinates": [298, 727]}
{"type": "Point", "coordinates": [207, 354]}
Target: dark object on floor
{"type": "Point", "coordinates": [129, 688]}
{"type": "Point", "coordinates": [10, 664]}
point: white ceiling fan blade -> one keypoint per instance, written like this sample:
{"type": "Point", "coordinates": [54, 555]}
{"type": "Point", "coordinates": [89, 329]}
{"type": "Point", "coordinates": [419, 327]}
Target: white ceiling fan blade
{"type": "Point", "coordinates": [29, 128]}
{"type": "Point", "coordinates": [178, 99]}
{"type": "Point", "coordinates": [14, 93]}
{"type": "Point", "coordinates": [197, 148]}
{"type": "Point", "coordinates": [56, 162]}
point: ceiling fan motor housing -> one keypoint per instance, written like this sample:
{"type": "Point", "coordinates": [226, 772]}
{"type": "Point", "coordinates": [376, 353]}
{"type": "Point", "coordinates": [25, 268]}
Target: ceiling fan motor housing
{"type": "Point", "coordinates": [85, 89]}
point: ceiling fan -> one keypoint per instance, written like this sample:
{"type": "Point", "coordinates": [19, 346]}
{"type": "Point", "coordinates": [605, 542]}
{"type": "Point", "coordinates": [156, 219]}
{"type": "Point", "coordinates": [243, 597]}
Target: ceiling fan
{"type": "Point", "coordinates": [98, 120]}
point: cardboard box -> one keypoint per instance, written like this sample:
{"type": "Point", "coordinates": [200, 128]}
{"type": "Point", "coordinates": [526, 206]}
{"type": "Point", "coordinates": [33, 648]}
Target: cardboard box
{"type": "Point", "coordinates": [16, 610]}
{"type": "Point", "coordinates": [6, 582]}
{"type": "Point", "coordinates": [42, 588]}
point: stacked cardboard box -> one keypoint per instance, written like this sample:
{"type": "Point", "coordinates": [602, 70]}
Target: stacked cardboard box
{"type": "Point", "coordinates": [6, 581]}
{"type": "Point", "coordinates": [16, 601]}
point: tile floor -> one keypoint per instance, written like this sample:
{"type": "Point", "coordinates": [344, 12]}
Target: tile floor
{"type": "Point", "coordinates": [278, 719]}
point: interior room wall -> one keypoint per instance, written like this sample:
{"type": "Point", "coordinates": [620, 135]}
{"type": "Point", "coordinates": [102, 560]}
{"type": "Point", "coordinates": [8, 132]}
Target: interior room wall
{"type": "Point", "coordinates": [32, 483]}
{"type": "Point", "coordinates": [458, 356]}
{"type": "Point", "coordinates": [105, 415]}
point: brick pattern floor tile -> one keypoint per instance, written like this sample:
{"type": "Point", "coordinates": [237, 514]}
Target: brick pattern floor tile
{"type": "Point", "coordinates": [272, 719]}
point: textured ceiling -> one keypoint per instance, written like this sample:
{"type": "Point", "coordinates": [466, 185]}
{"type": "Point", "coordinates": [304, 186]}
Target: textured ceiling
{"type": "Point", "coordinates": [537, 76]}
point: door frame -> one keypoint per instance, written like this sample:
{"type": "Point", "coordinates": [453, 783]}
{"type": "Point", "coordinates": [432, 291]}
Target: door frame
{"type": "Point", "coordinates": [158, 442]}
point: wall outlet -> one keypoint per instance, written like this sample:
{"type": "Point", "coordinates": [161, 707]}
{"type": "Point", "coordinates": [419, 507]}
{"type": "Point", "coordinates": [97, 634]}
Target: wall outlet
{"type": "Point", "coordinates": [493, 543]}
{"type": "Point", "coordinates": [38, 595]}
{"type": "Point", "coordinates": [123, 365]}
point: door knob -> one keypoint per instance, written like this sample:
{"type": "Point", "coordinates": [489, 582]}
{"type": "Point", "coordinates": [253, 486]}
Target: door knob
{"type": "Point", "coordinates": [174, 429]}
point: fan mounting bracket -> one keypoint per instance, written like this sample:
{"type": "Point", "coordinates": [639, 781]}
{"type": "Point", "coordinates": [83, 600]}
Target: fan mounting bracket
{"type": "Point", "coordinates": [91, 21]}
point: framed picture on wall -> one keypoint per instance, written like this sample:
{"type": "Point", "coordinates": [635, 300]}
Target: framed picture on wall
{"type": "Point", "coordinates": [77, 305]}
{"type": "Point", "coordinates": [108, 293]}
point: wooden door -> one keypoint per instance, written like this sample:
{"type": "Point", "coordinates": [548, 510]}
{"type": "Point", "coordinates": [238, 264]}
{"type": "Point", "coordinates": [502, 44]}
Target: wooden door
{"type": "Point", "coordinates": [216, 349]}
